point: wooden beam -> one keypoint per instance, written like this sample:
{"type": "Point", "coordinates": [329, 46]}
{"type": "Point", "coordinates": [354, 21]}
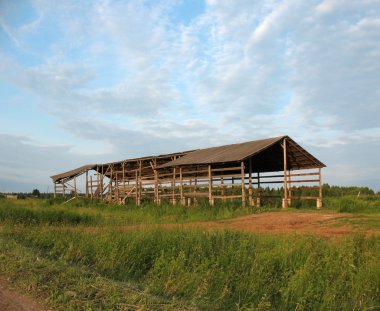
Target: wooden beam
{"type": "Point", "coordinates": [91, 187]}
{"type": "Point", "coordinates": [173, 186]}
{"type": "Point", "coordinates": [139, 184]}
{"type": "Point", "coordinates": [124, 185]}
{"type": "Point", "coordinates": [182, 199]}
{"type": "Point", "coordinates": [75, 187]}
{"type": "Point", "coordinates": [117, 187]}
{"type": "Point", "coordinates": [189, 199]}
{"type": "Point", "coordinates": [210, 199]}
{"type": "Point", "coordinates": [250, 190]}
{"type": "Point", "coordinates": [242, 185]}
{"type": "Point", "coordinates": [319, 200]}
{"type": "Point", "coordinates": [136, 185]}
{"type": "Point", "coordinates": [86, 184]}
{"type": "Point", "coordinates": [285, 199]}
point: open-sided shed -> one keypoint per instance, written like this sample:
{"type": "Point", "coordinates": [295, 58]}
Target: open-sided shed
{"type": "Point", "coordinates": [236, 171]}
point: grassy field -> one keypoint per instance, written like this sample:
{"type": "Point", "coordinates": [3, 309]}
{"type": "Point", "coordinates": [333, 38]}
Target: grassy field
{"type": "Point", "coordinates": [82, 256]}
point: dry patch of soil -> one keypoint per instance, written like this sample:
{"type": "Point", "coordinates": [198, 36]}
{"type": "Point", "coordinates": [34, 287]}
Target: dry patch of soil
{"type": "Point", "coordinates": [285, 222]}
{"type": "Point", "coordinates": [11, 300]}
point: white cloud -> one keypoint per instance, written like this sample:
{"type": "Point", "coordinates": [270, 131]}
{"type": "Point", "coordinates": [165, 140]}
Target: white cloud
{"type": "Point", "coordinates": [122, 73]}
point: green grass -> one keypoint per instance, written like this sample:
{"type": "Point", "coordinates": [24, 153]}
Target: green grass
{"type": "Point", "coordinates": [81, 211]}
{"type": "Point", "coordinates": [222, 270]}
{"type": "Point", "coordinates": [84, 256]}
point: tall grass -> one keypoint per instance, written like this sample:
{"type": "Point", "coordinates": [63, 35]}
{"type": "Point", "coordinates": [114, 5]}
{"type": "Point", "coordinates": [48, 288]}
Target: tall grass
{"type": "Point", "coordinates": [225, 270]}
{"type": "Point", "coordinates": [11, 213]}
{"type": "Point", "coordinates": [86, 212]}
{"type": "Point", "coordinates": [353, 204]}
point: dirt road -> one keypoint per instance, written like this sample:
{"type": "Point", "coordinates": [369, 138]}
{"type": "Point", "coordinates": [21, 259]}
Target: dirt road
{"type": "Point", "coordinates": [11, 300]}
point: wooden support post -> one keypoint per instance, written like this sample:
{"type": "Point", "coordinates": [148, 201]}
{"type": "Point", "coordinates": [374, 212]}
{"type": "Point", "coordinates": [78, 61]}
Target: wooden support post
{"type": "Point", "coordinates": [189, 199]}
{"type": "Point", "coordinates": [210, 198]}
{"type": "Point", "coordinates": [101, 181]}
{"type": "Point", "coordinates": [173, 186]}
{"type": "Point", "coordinates": [140, 184]}
{"type": "Point", "coordinates": [250, 199]}
{"type": "Point", "coordinates": [285, 199]}
{"type": "Point", "coordinates": [124, 186]}
{"type": "Point", "coordinates": [55, 190]}
{"type": "Point", "coordinates": [182, 198]}
{"type": "Point", "coordinates": [195, 191]}
{"type": "Point", "coordinates": [156, 193]}
{"type": "Point", "coordinates": [75, 187]}
{"type": "Point", "coordinates": [86, 184]}
{"type": "Point", "coordinates": [91, 189]}
{"type": "Point", "coordinates": [242, 185]}
{"type": "Point", "coordinates": [258, 200]}
{"type": "Point", "coordinates": [117, 187]}
{"type": "Point", "coordinates": [110, 187]}
{"type": "Point", "coordinates": [63, 189]}
{"type": "Point", "coordinates": [319, 200]}
{"type": "Point", "coordinates": [137, 187]}
{"type": "Point", "coordinates": [222, 186]}
{"type": "Point", "coordinates": [289, 184]}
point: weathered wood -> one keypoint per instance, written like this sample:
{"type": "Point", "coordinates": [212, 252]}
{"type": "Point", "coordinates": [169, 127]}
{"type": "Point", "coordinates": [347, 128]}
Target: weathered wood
{"type": "Point", "coordinates": [91, 188]}
{"type": "Point", "coordinates": [86, 184]}
{"type": "Point", "coordinates": [210, 199]}
{"type": "Point", "coordinates": [319, 200]}
{"type": "Point", "coordinates": [137, 186]}
{"type": "Point", "coordinates": [306, 181]}
{"type": "Point", "coordinates": [303, 174]}
{"type": "Point", "coordinates": [258, 180]}
{"type": "Point", "coordinates": [226, 169]}
{"type": "Point", "coordinates": [238, 196]}
{"type": "Point", "coordinates": [124, 185]}
{"type": "Point", "coordinates": [285, 200]}
{"type": "Point", "coordinates": [189, 199]}
{"type": "Point", "coordinates": [250, 190]}
{"type": "Point", "coordinates": [302, 197]}
{"type": "Point", "coordinates": [182, 198]}
{"type": "Point", "coordinates": [173, 186]}
{"type": "Point", "coordinates": [242, 185]}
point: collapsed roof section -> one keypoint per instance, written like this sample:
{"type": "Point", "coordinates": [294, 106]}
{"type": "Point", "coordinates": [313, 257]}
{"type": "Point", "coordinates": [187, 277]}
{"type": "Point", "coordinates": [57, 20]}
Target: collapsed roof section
{"type": "Point", "coordinates": [73, 173]}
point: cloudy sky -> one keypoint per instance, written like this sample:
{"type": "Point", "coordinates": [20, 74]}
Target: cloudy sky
{"type": "Point", "coordinates": [98, 81]}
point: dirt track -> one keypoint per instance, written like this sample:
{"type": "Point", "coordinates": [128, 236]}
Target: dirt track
{"type": "Point", "coordinates": [10, 300]}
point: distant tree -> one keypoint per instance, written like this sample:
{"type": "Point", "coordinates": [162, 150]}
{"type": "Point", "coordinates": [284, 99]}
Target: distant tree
{"type": "Point", "coordinates": [36, 192]}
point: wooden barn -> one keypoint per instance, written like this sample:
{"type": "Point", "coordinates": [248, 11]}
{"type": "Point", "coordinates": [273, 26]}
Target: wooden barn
{"type": "Point", "coordinates": [237, 171]}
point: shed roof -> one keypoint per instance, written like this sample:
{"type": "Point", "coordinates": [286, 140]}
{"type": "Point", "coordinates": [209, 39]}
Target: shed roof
{"type": "Point", "coordinates": [239, 152]}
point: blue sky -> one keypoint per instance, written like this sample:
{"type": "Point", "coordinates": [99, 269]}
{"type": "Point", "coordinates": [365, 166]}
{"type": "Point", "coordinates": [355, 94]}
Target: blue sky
{"type": "Point", "coordinates": [98, 81]}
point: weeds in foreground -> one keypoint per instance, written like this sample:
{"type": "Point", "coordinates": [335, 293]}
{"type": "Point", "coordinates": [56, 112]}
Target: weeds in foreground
{"type": "Point", "coordinates": [223, 270]}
